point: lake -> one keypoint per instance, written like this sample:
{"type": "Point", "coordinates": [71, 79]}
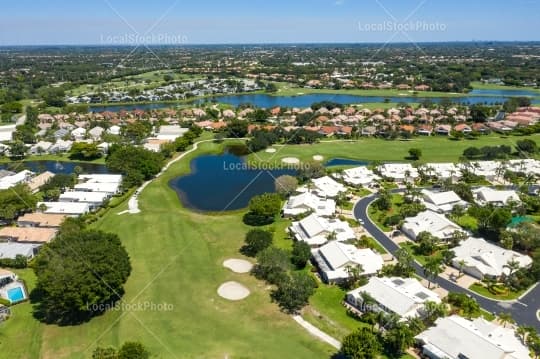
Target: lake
{"type": "Point", "coordinates": [55, 167]}
{"type": "Point", "coordinates": [223, 183]}
{"type": "Point", "coordinates": [502, 92]}
{"type": "Point", "coordinates": [344, 162]}
{"type": "Point", "coordinates": [268, 101]}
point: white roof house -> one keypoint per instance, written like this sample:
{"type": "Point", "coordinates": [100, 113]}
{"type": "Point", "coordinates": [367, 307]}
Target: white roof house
{"type": "Point", "coordinates": [110, 188]}
{"type": "Point", "coordinates": [67, 208]}
{"type": "Point", "coordinates": [41, 146]}
{"type": "Point", "coordinates": [483, 258]}
{"type": "Point", "coordinates": [79, 133]}
{"type": "Point", "coordinates": [308, 201]}
{"type": "Point", "coordinates": [170, 133]}
{"type": "Point", "coordinates": [526, 165]}
{"type": "Point", "coordinates": [442, 202]}
{"type": "Point", "coordinates": [455, 337]}
{"type": "Point", "coordinates": [403, 296]}
{"type": "Point", "coordinates": [94, 199]}
{"type": "Point", "coordinates": [13, 249]}
{"type": "Point", "coordinates": [13, 180]}
{"type": "Point", "coordinates": [334, 259]}
{"type": "Point", "coordinates": [399, 172]}
{"type": "Point", "coordinates": [96, 132]}
{"type": "Point", "coordinates": [327, 187]}
{"type": "Point", "coordinates": [359, 176]}
{"type": "Point", "coordinates": [100, 178]}
{"type": "Point", "coordinates": [485, 195]}
{"type": "Point", "coordinates": [114, 130]}
{"type": "Point", "coordinates": [315, 230]}
{"type": "Point", "coordinates": [442, 170]}
{"type": "Point", "coordinates": [487, 169]}
{"type": "Point", "coordinates": [6, 132]}
{"type": "Point", "coordinates": [429, 221]}
{"type": "Point", "coordinates": [61, 146]}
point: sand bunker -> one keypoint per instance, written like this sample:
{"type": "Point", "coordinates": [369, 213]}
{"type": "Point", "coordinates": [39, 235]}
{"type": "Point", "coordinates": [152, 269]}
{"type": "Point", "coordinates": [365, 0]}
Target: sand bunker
{"type": "Point", "coordinates": [291, 160]}
{"type": "Point", "coordinates": [238, 265]}
{"type": "Point", "coordinates": [271, 150]}
{"type": "Point", "coordinates": [318, 158]}
{"type": "Point", "coordinates": [233, 291]}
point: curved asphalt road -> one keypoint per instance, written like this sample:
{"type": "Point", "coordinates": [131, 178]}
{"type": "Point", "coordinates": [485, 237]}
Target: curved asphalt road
{"type": "Point", "coordinates": [524, 311]}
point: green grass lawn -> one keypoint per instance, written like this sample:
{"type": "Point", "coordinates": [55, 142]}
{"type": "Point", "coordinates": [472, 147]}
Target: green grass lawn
{"type": "Point", "coordinates": [379, 216]}
{"type": "Point", "coordinates": [434, 149]}
{"type": "Point", "coordinates": [482, 290]}
{"type": "Point", "coordinates": [411, 246]}
{"type": "Point", "coordinates": [46, 157]}
{"type": "Point", "coordinates": [467, 222]}
{"type": "Point", "coordinates": [177, 259]}
{"type": "Point", "coordinates": [482, 86]}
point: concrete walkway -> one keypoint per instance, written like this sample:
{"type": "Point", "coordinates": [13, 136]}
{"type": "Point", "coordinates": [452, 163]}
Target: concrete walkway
{"type": "Point", "coordinates": [316, 332]}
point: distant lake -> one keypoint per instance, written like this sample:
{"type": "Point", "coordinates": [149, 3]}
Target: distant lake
{"type": "Point", "coordinates": [344, 162]}
{"type": "Point", "coordinates": [267, 101]}
{"type": "Point", "coordinates": [223, 183]}
{"type": "Point", "coordinates": [55, 167]}
{"type": "Point", "coordinates": [503, 92]}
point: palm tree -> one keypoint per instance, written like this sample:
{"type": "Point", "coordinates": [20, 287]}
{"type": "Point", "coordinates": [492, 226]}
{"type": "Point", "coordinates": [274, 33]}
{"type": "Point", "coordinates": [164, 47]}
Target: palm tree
{"type": "Point", "coordinates": [432, 269]}
{"type": "Point", "coordinates": [512, 266]}
{"type": "Point", "coordinates": [522, 332]}
{"type": "Point", "coordinates": [461, 264]}
{"type": "Point", "coordinates": [506, 318]}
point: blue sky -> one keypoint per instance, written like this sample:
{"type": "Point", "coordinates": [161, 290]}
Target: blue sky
{"type": "Point", "coordinates": [25, 22]}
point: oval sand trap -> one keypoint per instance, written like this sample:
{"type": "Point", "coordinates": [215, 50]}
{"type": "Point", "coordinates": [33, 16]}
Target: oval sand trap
{"type": "Point", "coordinates": [233, 291]}
{"type": "Point", "coordinates": [291, 160]}
{"type": "Point", "coordinates": [318, 158]}
{"type": "Point", "coordinates": [271, 150]}
{"type": "Point", "coordinates": [238, 265]}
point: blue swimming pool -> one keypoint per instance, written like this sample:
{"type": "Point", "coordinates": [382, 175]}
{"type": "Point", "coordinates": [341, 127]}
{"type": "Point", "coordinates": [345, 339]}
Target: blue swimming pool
{"type": "Point", "coordinates": [15, 294]}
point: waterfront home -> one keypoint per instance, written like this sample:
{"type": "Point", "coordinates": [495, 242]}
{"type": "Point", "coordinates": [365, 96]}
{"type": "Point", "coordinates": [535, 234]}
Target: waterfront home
{"type": "Point", "coordinates": [40, 148]}
{"type": "Point", "coordinates": [487, 195]}
{"type": "Point", "coordinates": [306, 202]}
{"type": "Point", "coordinates": [441, 202]}
{"type": "Point", "coordinates": [39, 181]}
{"type": "Point", "coordinates": [13, 180]}
{"type": "Point", "coordinates": [336, 259]}
{"type": "Point", "coordinates": [405, 297]}
{"type": "Point", "coordinates": [455, 337]}
{"type": "Point", "coordinates": [100, 178]}
{"type": "Point", "coordinates": [481, 259]}
{"type": "Point", "coordinates": [431, 222]}
{"type": "Point", "coordinates": [61, 146]}
{"type": "Point", "coordinates": [316, 230]}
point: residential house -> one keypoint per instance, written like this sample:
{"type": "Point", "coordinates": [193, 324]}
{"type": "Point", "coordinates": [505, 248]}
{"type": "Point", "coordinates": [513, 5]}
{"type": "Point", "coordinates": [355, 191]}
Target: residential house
{"type": "Point", "coordinates": [40, 148]}
{"type": "Point", "coordinates": [96, 133]}
{"type": "Point", "coordinates": [455, 337]}
{"type": "Point", "coordinates": [429, 221]}
{"type": "Point", "coordinates": [480, 259]}
{"type": "Point", "coordinates": [27, 234]}
{"type": "Point", "coordinates": [13, 249]}
{"type": "Point", "coordinates": [405, 297]}
{"type": "Point", "coordinates": [442, 171]}
{"type": "Point", "coordinates": [78, 134]}
{"type": "Point", "coordinates": [335, 260]}
{"type": "Point", "coordinates": [327, 187]}
{"type": "Point", "coordinates": [41, 220]}
{"type": "Point", "coordinates": [94, 199]}
{"type": "Point", "coordinates": [442, 202]}
{"type": "Point", "coordinates": [359, 176]}
{"type": "Point", "coordinates": [13, 180]}
{"type": "Point", "coordinates": [398, 172]}
{"type": "Point", "coordinates": [39, 181]}
{"type": "Point", "coordinates": [306, 202]}
{"type": "Point", "coordinates": [316, 230]}
{"type": "Point", "coordinates": [485, 195]}
{"type": "Point", "coordinates": [71, 209]}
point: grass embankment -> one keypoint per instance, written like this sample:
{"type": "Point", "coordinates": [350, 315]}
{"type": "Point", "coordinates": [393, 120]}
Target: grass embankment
{"type": "Point", "coordinates": [177, 259]}
{"type": "Point", "coordinates": [506, 294]}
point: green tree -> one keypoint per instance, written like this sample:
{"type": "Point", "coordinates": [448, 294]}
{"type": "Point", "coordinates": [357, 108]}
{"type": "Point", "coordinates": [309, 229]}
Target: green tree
{"type": "Point", "coordinates": [256, 241]}
{"type": "Point", "coordinates": [285, 185]}
{"type": "Point", "coordinates": [104, 353]}
{"type": "Point", "coordinates": [293, 292]}
{"type": "Point", "coordinates": [133, 350]}
{"type": "Point", "coordinates": [16, 201]}
{"type": "Point", "coordinates": [75, 276]}
{"type": "Point", "coordinates": [136, 163]}
{"type": "Point", "coordinates": [272, 265]}
{"type": "Point", "coordinates": [398, 339]}
{"type": "Point", "coordinates": [415, 154]}
{"type": "Point", "coordinates": [432, 269]}
{"type": "Point", "coordinates": [301, 253]}
{"type": "Point", "coordinates": [85, 151]}
{"type": "Point", "coordinates": [361, 344]}
{"type": "Point", "coordinates": [263, 209]}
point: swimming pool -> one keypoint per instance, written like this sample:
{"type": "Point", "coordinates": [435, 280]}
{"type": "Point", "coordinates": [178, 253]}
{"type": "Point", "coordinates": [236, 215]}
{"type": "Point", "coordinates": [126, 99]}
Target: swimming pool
{"type": "Point", "coordinates": [16, 294]}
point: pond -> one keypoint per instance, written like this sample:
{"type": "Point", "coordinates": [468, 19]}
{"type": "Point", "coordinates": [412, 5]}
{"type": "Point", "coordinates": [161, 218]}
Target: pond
{"type": "Point", "coordinates": [55, 167]}
{"type": "Point", "coordinates": [505, 92]}
{"type": "Point", "coordinates": [223, 183]}
{"type": "Point", "coordinates": [344, 162]}
{"type": "Point", "coordinates": [268, 101]}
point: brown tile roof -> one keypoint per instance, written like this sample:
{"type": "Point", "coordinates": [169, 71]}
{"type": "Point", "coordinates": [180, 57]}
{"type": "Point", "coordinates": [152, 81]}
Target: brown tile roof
{"type": "Point", "coordinates": [33, 235]}
{"type": "Point", "coordinates": [43, 219]}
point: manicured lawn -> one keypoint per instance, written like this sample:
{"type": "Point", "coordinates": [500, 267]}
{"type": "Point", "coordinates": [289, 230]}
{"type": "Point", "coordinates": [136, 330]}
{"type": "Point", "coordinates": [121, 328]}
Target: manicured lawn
{"type": "Point", "coordinates": [328, 314]}
{"type": "Point", "coordinates": [411, 246]}
{"type": "Point", "coordinates": [467, 222]}
{"type": "Point", "coordinates": [480, 289]}
{"type": "Point", "coordinates": [60, 158]}
{"type": "Point", "coordinates": [177, 259]}
{"type": "Point", "coordinates": [482, 86]}
{"type": "Point", "coordinates": [379, 216]}
{"type": "Point", "coordinates": [434, 149]}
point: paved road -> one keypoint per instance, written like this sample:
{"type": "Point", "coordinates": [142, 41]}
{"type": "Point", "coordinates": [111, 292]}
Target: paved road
{"type": "Point", "coordinates": [523, 311]}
